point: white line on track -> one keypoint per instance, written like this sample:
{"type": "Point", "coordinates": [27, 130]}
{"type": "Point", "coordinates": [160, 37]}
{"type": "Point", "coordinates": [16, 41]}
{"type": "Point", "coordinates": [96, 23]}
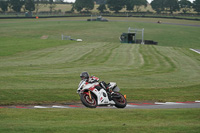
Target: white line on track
{"type": "Point", "coordinates": [41, 107]}
{"type": "Point", "coordinates": [128, 105]}
{"type": "Point", "coordinates": [168, 103]}
{"type": "Point", "coordinates": [55, 106]}
{"type": "Point", "coordinates": [159, 103]}
{"type": "Point", "coordinates": [195, 50]}
{"type": "Point", "coordinates": [173, 103]}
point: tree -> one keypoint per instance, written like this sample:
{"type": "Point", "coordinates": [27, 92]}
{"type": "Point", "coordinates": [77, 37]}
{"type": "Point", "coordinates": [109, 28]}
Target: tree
{"type": "Point", "coordinates": [129, 5]}
{"type": "Point", "coordinates": [100, 2]}
{"type": "Point", "coordinates": [171, 5]}
{"type": "Point", "coordinates": [185, 5]}
{"type": "Point", "coordinates": [51, 5]}
{"type": "Point", "coordinates": [37, 6]}
{"type": "Point", "coordinates": [72, 9]}
{"type": "Point", "coordinates": [44, 1]}
{"type": "Point", "coordinates": [89, 5]}
{"type": "Point", "coordinates": [80, 4]}
{"type": "Point", "coordinates": [158, 5]}
{"type": "Point", "coordinates": [101, 8]}
{"type": "Point", "coordinates": [4, 6]}
{"type": "Point", "coordinates": [139, 3]}
{"type": "Point", "coordinates": [29, 5]}
{"type": "Point", "coordinates": [115, 5]}
{"type": "Point", "coordinates": [59, 1]}
{"type": "Point", "coordinates": [16, 5]}
{"type": "Point", "coordinates": [196, 6]}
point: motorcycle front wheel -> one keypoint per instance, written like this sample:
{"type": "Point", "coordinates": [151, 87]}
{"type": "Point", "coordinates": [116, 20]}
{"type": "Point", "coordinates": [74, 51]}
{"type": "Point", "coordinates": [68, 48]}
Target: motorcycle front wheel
{"type": "Point", "coordinates": [90, 103]}
{"type": "Point", "coordinates": [120, 102]}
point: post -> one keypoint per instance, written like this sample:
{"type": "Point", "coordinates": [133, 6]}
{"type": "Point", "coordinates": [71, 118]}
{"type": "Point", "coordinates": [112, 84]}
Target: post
{"type": "Point", "coordinates": [142, 36]}
{"type": "Point", "coordinates": [129, 29]}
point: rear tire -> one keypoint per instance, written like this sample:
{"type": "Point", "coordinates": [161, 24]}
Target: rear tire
{"type": "Point", "coordinates": [90, 103]}
{"type": "Point", "coordinates": [120, 102]}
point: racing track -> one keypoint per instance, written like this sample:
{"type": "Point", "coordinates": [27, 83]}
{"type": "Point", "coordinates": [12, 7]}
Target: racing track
{"type": "Point", "coordinates": [193, 25]}
{"type": "Point", "coordinates": [155, 22]}
{"type": "Point", "coordinates": [130, 105]}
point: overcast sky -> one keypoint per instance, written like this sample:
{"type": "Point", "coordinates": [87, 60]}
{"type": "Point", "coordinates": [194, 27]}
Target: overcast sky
{"type": "Point", "coordinates": [147, 0]}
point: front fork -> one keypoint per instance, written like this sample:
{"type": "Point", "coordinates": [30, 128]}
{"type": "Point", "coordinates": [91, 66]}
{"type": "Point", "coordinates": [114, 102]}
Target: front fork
{"type": "Point", "coordinates": [90, 95]}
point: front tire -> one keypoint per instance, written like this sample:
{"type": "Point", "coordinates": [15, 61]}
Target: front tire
{"type": "Point", "coordinates": [120, 102]}
{"type": "Point", "coordinates": [90, 103]}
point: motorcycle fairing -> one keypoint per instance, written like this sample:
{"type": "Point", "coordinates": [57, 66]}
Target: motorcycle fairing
{"type": "Point", "coordinates": [101, 99]}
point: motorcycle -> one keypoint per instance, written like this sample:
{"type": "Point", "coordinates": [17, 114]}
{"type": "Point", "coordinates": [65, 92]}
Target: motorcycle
{"type": "Point", "coordinates": [95, 94]}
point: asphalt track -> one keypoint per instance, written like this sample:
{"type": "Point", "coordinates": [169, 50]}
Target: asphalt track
{"type": "Point", "coordinates": [130, 105]}
{"type": "Point", "coordinates": [193, 25]}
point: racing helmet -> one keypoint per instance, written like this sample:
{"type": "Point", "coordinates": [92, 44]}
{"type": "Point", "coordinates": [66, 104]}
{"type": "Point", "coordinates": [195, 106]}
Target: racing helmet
{"type": "Point", "coordinates": [84, 75]}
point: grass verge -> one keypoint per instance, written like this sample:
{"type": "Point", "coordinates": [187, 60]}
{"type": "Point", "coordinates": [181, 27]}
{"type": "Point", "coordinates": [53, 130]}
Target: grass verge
{"type": "Point", "coordinates": [99, 120]}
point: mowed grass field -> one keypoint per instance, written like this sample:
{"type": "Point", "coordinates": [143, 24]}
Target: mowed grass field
{"type": "Point", "coordinates": [35, 70]}
{"type": "Point", "coordinates": [99, 121]}
{"type": "Point", "coordinates": [42, 71]}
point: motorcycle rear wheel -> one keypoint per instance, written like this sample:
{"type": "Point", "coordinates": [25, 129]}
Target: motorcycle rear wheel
{"type": "Point", "coordinates": [120, 102]}
{"type": "Point", "coordinates": [90, 103]}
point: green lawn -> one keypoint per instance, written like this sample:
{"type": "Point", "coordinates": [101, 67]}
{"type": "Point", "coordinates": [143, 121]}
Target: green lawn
{"type": "Point", "coordinates": [34, 70]}
{"type": "Point", "coordinates": [99, 120]}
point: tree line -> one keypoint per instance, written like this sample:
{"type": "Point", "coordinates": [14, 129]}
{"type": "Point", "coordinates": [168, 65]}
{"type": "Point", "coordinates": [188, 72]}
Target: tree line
{"type": "Point", "coordinates": [28, 5]}
{"type": "Point", "coordinates": [159, 6]}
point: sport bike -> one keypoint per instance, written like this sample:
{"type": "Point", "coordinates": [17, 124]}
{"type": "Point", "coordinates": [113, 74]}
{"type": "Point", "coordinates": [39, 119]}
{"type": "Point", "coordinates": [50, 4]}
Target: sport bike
{"type": "Point", "coordinates": [95, 94]}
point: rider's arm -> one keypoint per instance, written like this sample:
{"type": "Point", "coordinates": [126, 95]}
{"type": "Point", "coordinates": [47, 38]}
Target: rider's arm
{"type": "Point", "coordinates": [93, 79]}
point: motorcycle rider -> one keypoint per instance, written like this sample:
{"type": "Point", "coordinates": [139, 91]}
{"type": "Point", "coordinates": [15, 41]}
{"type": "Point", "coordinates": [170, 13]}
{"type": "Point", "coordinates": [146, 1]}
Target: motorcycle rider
{"type": "Point", "coordinates": [93, 79]}
{"type": "Point", "coordinates": [89, 79]}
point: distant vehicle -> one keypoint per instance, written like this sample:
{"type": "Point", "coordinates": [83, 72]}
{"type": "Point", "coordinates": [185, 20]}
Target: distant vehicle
{"type": "Point", "coordinates": [99, 18]}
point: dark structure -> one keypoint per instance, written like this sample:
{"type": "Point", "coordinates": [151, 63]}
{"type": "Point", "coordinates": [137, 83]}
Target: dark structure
{"type": "Point", "coordinates": [131, 37]}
